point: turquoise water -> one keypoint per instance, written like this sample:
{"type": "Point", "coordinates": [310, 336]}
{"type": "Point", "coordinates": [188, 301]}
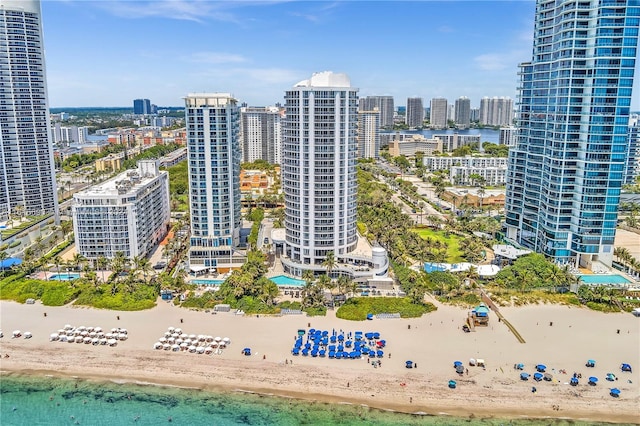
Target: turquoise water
{"type": "Point", "coordinates": [207, 282]}
{"type": "Point", "coordinates": [33, 401]}
{"type": "Point", "coordinates": [284, 280]}
{"type": "Point", "coordinates": [603, 279]}
{"type": "Point", "coordinates": [64, 277]}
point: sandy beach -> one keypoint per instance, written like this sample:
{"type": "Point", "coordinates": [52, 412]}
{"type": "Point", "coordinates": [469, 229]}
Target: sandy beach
{"type": "Point", "coordinates": [433, 342]}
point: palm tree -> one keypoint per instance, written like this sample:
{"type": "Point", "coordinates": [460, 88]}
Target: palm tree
{"type": "Point", "coordinates": [3, 257]}
{"type": "Point", "coordinates": [78, 260]}
{"type": "Point", "coordinates": [57, 261]}
{"type": "Point", "coordinates": [329, 262]}
{"type": "Point", "coordinates": [66, 227]}
{"type": "Point", "coordinates": [142, 264]}
{"type": "Point", "coordinates": [102, 263]}
{"type": "Point", "coordinates": [118, 263]}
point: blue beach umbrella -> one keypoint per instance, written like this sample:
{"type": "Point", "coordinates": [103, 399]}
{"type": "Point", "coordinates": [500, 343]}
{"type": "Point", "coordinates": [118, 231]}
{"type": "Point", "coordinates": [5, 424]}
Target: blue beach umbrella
{"type": "Point", "coordinates": [524, 376]}
{"type": "Point", "coordinates": [452, 384]}
{"type": "Point", "coordinates": [322, 352]}
{"type": "Point", "coordinates": [537, 377]}
{"type": "Point", "coordinates": [409, 364]}
{"type": "Point", "coordinates": [369, 317]}
{"type": "Point", "coordinates": [611, 377]}
{"type": "Point", "coordinates": [295, 351]}
{"type": "Point", "coordinates": [541, 368]}
{"type": "Point", "coordinates": [615, 392]}
{"type": "Point", "coordinates": [574, 381]}
{"type": "Point", "coordinates": [593, 380]}
{"type": "Point", "coordinates": [591, 363]}
{"type": "Point", "coordinates": [380, 354]}
{"type": "Point", "coordinates": [626, 367]}
{"type": "Point", "coordinates": [457, 363]}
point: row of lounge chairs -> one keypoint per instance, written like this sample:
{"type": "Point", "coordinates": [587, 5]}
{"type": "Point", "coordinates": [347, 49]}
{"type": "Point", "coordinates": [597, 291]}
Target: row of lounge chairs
{"type": "Point", "coordinates": [388, 316]}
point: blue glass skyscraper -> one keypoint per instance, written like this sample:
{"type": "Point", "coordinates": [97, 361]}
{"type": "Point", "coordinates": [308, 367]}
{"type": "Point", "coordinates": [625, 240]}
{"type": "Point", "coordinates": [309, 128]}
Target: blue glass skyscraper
{"type": "Point", "coordinates": [566, 171]}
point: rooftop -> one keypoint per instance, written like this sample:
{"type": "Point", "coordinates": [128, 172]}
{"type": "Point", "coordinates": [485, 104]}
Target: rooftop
{"type": "Point", "coordinates": [326, 79]}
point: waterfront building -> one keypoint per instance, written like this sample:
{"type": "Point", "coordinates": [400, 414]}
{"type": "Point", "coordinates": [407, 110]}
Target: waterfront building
{"type": "Point", "coordinates": [445, 162]}
{"type": "Point", "coordinates": [261, 134]}
{"type": "Point", "coordinates": [566, 170]}
{"type": "Point", "coordinates": [369, 134]}
{"type": "Point", "coordinates": [142, 106]}
{"type": "Point", "coordinates": [438, 113]}
{"type": "Point", "coordinates": [508, 136]}
{"type": "Point", "coordinates": [27, 176]}
{"type": "Point", "coordinates": [213, 146]}
{"type": "Point", "coordinates": [410, 145]}
{"type": "Point", "coordinates": [129, 213]}
{"type": "Point", "coordinates": [384, 104]}
{"type": "Point", "coordinates": [632, 159]}
{"type": "Point", "coordinates": [456, 140]}
{"type": "Point", "coordinates": [496, 111]}
{"type": "Point", "coordinates": [492, 176]}
{"type": "Point", "coordinates": [415, 113]}
{"type": "Point", "coordinates": [319, 181]}
{"type": "Point", "coordinates": [463, 112]}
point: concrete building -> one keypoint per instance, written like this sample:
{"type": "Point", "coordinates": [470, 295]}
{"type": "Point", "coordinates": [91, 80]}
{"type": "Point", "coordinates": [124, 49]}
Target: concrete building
{"type": "Point", "coordinates": [415, 113]}
{"type": "Point", "coordinates": [385, 105]}
{"type": "Point", "coordinates": [463, 112]}
{"type": "Point", "coordinates": [369, 134]}
{"type": "Point", "coordinates": [414, 143]}
{"type": "Point", "coordinates": [632, 159]}
{"type": "Point", "coordinates": [70, 134]}
{"type": "Point", "coordinates": [493, 176]}
{"type": "Point", "coordinates": [444, 162]}
{"type": "Point", "coordinates": [566, 171]}
{"type": "Point", "coordinates": [508, 136]}
{"type": "Point", "coordinates": [27, 177]}
{"type": "Point", "coordinates": [261, 134]}
{"type": "Point", "coordinates": [453, 141]}
{"type": "Point", "coordinates": [213, 146]}
{"type": "Point", "coordinates": [496, 111]}
{"type": "Point", "coordinates": [319, 181]}
{"type": "Point", "coordinates": [142, 107]}
{"type": "Point", "coordinates": [129, 213]}
{"type": "Point", "coordinates": [438, 113]}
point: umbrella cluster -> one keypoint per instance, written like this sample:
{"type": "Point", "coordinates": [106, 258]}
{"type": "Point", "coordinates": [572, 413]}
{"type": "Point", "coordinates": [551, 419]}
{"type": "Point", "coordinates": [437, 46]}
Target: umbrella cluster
{"type": "Point", "coordinates": [176, 340]}
{"type": "Point", "coordinates": [18, 334]}
{"type": "Point", "coordinates": [339, 345]}
{"type": "Point", "coordinates": [95, 336]}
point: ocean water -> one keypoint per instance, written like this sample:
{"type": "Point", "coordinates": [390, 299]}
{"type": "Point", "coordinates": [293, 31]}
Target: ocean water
{"type": "Point", "coordinates": [34, 400]}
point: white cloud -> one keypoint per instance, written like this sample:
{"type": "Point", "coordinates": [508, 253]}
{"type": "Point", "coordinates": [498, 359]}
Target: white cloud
{"type": "Point", "coordinates": [215, 58]}
{"type": "Point", "coordinates": [187, 10]}
{"type": "Point", "coordinates": [500, 61]}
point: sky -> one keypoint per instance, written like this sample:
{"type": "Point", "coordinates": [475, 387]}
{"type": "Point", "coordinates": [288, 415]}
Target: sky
{"type": "Point", "coordinates": [107, 53]}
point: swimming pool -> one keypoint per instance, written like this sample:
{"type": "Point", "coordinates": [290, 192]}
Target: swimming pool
{"type": "Point", "coordinates": [603, 279]}
{"type": "Point", "coordinates": [207, 282]}
{"type": "Point", "coordinates": [64, 277]}
{"type": "Point", "coordinates": [283, 280]}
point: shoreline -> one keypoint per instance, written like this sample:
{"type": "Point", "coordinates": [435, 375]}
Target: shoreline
{"type": "Point", "coordinates": [433, 341]}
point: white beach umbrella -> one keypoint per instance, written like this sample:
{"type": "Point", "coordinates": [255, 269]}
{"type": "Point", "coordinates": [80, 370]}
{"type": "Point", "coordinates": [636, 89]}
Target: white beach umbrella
{"type": "Point", "coordinates": [97, 329]}
{"type": "Point", "coordinates": [171, 329]}
{"type": "Point", "coordinates": [95, 341]}
{"type": "Point", "coordinates": [87, 340]}
{"type": "Point", "coordinates": [84, 333]}
{"type": "Point", "coordinates": [218, 339]}
{"type": "Point", "coordinates": [188, 341]}
{"type": "Point", "coordinates": [157, 345]}
{"type": "Point", "coordinates": [175, 348]}
{"type": "Point", "coordinates": [208, 350]}
{"type": "Point", "coordinates": [213, 344]}
{"type": "Point", "coordinates": [167, 334]}
{"type": "Point", "coordinates": [62, 331]}
{"type": "Point", "coordinates": [68, 327]}
{"type": "Point", "coordinates": [222, 345]}
{"type": "Point", "coordinates": [166, 346]}
{"type": "Point", "coordinates": [122, 336]}
{"type": "Point", "coordinates": [184, 346]}
{"type": "Point", "coordinates": [89, 329]}
{"type": "Point", "coordinates": [162, 340]}
{"type": "Point", "coordinates": [54, 336]}
{"type": "Point", "coordinates": [28, 335]}
{"type": "Point", "coordinates": [63, 338]}
{"type": "Point", "coordinates": [179, 341]}
{"type": "Point", "coordinates": [71, 339]}
{"type": "Point", "coordinates": [103, 341]}
{"type": "Point", "coordinates": [201, 337]}
{"type": "Point", "coordinates": [193, 337]}
{"type": "Point", "coordinates": [76, 332]}
{"type": "Point", "coordinates": [171, 340]}
{"type": "Point", "coordinates": [114, 330]}
{"type": "Point", "coordinates": [17, 333]}
{"type": "Point", "coordinates": [100, 334]}
{"type": "Point", "coordinates": [192, 348]}
{"type": "Point", "coordinates": [178, 330]}
{"type": "Point", "coordinates": [200, 350]}
{"type": "Point", "coordinates": [109, 335]}
{"type": "Point", "coordinates": [209, 339]}
{"type": "Point", "coordinates": [79, 339]}
{"type": "Point", "coordinates": [112, 342]}
{"type": "Point", "coordinates": [92, 334]}
{"type": "Point", "coordinates": [82, 328]}
{"type": "Point", "coordinates": [227, 340]}
{"type": "Point", "coordinates": [175, 335]}
{"type": "Point", "coordinates": [123, 331]}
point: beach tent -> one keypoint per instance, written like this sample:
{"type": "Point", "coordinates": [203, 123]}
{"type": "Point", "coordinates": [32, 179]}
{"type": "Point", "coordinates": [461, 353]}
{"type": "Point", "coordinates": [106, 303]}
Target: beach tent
{"type": "Point", "coordinates": [524, 376]}
{"type": "Point", "coordinates": [615, 392]}
{"type": "Point", "coordinates": [541, 368]}
{"type": "Point", "coordinates": [591, 363]}
{"type": "Point", "coordinates": [626, 367]}
{"type": "Point", "coordinates": [409, 364]}
{"type": "Point", "coordinates": [593, 380]}
{"type": "Point", "coordinates": [537, 377]}
{"type": "Point", "coordinates": [574, 381]}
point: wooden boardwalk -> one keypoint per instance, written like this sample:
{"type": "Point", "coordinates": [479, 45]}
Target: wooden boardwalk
{"type": "Point", "coordinates": [487, 300]}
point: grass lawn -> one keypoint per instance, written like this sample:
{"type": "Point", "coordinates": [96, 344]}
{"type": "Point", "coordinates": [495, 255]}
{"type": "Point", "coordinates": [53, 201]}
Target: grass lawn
{"type": "Point", "coordinates": [454, 254]}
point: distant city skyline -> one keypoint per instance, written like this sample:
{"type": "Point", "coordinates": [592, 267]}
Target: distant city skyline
{"type": "Point", "coordinates": [106, 53]}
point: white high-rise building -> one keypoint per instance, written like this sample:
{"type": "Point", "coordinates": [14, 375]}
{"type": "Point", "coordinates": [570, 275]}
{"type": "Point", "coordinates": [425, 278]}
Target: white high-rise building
{"type": "Point", "coordinates": [129, 213]}
{"type": "Point", "coordinates": [384, 104]}
{"type": "Point", "coordinates": [27, 177]}
{"type": "Point", "coordinates": [213, 146]}
{"type": "Point", "coordinates": [463, 112]}
{"type": "Point", "coordinates": [438, 117]}
{"type": "Point", "coordinates": [508, 136]}
{"type": "Point", "coordinates": [415, 112]}
{"type": "Point", "coordinates": [369, 134]}
{"type": "Point", "coordinates": [261, 134]}
{"type": "Point", "coordinates": [319, 180]}
{"type": "Point", "coordinates": [496, 111]}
